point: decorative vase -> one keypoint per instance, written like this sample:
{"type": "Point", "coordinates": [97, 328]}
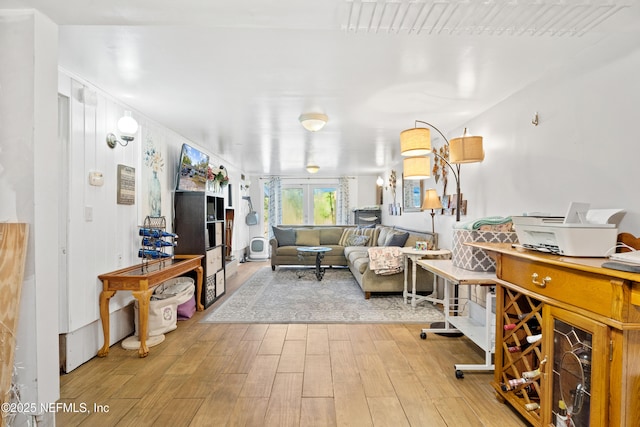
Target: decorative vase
{"type": "Point", "coordinates": [155, 196]}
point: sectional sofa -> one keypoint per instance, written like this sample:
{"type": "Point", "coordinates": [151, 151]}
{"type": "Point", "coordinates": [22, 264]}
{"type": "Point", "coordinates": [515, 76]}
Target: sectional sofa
{"type": "Point", "coordinates": [349, 248]}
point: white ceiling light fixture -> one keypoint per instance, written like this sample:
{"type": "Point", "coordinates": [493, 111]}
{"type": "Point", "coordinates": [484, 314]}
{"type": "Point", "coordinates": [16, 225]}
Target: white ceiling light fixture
{"type": "Point", "coordinates": [313, 122]}
{"type": "Point", "coordinates": [313, 168]}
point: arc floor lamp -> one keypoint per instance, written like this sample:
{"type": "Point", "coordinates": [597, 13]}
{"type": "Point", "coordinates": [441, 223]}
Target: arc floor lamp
{"type": "Point", "coordinates": [416, 143]}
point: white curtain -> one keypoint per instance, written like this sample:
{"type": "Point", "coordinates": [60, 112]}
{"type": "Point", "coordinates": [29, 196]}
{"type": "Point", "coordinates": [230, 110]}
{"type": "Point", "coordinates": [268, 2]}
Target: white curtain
{"type": "Point", "coordinates": [275, 207]}
{"type": "Point", "coordinates": [343, 214]}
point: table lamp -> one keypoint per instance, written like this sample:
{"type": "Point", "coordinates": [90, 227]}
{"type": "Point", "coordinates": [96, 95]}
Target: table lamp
{"type": "Point", "coordinates": [431, 201]}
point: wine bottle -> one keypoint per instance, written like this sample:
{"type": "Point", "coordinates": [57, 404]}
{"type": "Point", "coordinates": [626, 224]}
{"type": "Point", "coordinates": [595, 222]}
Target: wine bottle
{"type": "Point", "coordinates": [148, 253]}
{"type": "Point", "coordinates": [156, 232]}
{"type": "Point", "coordinates": [156, 242]}
{"type": "Point", "coordinates": [528, 375]}
{"type": "Point", "coordinates": [533, 324]}
{"type": "Point", "coordinates": [515, 348]}
{"type": "Point", "coordinates": [514, 383]}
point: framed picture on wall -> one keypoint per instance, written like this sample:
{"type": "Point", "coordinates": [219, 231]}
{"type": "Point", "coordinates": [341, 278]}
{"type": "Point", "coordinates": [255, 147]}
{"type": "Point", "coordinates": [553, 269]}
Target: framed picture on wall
{"type": "Point", "coordinates": [411, 195]}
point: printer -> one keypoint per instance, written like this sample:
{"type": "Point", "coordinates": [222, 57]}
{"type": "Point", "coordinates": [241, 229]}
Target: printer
{"type": "Point", "coordinates": [582, 232]}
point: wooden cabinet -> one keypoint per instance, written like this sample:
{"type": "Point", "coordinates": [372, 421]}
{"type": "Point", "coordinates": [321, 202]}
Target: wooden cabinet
{"type": "Point", "coordinates": [589, 321]}
{"type": "Point", "coordinates": [199, 223]}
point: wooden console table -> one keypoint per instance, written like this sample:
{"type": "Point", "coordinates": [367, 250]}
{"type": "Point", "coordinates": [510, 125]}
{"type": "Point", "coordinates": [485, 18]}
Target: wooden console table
{"type": "Point", "coordinates": [141, 282]}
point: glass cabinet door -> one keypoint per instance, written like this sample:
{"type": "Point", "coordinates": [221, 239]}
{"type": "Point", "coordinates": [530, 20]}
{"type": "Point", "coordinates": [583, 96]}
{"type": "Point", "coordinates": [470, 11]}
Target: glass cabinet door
{"type": "Point", "coordinates": [579, 350]}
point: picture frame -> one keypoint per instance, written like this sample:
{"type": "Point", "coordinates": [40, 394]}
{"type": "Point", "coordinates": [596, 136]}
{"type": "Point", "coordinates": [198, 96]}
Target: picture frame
{"type": "Point", "coordinates": [412, 194]}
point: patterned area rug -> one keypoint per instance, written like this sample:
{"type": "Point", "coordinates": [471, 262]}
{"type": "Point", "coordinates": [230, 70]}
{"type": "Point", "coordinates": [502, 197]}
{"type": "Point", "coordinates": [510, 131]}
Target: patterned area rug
{"type": "Point", "coordinates": [281, 297]}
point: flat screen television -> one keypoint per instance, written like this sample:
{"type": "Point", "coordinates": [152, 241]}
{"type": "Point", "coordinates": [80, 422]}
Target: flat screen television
{"type": "Point", "coordinates": [192, 169]}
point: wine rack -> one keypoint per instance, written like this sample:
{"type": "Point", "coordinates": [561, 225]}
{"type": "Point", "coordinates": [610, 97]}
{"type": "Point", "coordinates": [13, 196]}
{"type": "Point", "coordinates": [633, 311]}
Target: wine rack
{"type": "Point", "coordinates": [522, 361]}
{"type": "Point", "coordinates": [155, 240]}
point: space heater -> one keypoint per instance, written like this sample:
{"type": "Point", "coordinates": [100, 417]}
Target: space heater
{"type": "Point", "coordinates": [258, 249]}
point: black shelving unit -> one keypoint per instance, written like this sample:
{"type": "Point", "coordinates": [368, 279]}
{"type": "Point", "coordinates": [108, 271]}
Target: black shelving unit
{"type": "Point", "coordinates": [199, 221]}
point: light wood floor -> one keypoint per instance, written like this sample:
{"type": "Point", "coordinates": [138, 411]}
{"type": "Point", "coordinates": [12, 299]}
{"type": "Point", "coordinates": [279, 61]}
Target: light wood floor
{"type": "Point", "coordinates": [285, 375]}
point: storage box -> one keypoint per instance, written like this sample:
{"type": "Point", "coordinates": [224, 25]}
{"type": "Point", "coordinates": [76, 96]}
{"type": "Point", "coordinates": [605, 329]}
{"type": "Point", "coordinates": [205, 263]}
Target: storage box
{"type": "Point", "coordinates": [476, 259]}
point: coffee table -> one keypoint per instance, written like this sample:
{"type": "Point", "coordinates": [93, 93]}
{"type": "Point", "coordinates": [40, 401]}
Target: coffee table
{"type": "Point", "coordinates": [319, 252]}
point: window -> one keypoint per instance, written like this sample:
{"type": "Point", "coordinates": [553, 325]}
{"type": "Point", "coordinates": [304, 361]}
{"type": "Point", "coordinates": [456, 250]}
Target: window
{"type": "Point", "coordinates": [309, 204]}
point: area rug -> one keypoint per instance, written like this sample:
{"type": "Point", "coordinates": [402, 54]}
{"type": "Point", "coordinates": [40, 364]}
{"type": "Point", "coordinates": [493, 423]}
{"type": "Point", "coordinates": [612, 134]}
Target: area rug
{"type": "Point", "coordinates": [282, 297]}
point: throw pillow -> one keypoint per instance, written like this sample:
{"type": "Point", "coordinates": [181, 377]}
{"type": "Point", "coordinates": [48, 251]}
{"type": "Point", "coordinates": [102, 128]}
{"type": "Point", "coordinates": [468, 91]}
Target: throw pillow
{"type": "Point", "coordinates": [307, 237]}
{"type": "Point", "coordinates": [285, 236]}
{"type": "Point", "coordinates": [382, 235]}
{"type": "Point", "coordinates": [330, 236]}
{"type": "Point", "coordinates": [396, 239]}
{"type": "Point", "coordinates": [356, 240]}
{"type": "Point", "coordinates": [349, 231]}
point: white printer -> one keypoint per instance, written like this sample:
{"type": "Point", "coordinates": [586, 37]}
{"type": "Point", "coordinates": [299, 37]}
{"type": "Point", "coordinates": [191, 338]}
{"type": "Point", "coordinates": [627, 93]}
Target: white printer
{"type": "Point", "coordinates": [582, 232]}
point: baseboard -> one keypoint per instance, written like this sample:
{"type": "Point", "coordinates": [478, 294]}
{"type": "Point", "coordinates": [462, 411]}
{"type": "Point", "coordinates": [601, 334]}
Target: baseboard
{"type": "Point", "coordinates": [82, 345]}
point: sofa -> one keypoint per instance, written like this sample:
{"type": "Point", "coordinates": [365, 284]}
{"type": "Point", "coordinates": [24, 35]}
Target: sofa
{"type": "Point", "coordinates": [350, 248]}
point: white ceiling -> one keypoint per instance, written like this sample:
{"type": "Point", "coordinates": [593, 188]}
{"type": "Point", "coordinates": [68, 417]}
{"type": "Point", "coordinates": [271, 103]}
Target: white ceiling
{"type": "Point", "coordinates": [234, 76]}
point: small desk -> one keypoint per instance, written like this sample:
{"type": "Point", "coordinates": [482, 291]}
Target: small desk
{"type": "Point", "coordinates": [414, 255]}
{"type": "Point", "coordinates": [319, 251]}
{"type": "Point", "coordinates": [479, 324]}
{"type": "Point", "coordinates": [141, 282]}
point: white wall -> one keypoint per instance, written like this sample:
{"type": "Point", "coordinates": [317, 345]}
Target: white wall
{"type": "Point", "coordinates": [28, 123]}
{"type": "Point", "coordinates": [585, 148]}
{"type": "Point", "coordinates": [109, 240]}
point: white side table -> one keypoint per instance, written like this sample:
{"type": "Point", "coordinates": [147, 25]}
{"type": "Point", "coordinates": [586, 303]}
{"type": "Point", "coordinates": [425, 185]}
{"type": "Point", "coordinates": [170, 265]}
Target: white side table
{"type": "Point", "coordinates": [414, 255]}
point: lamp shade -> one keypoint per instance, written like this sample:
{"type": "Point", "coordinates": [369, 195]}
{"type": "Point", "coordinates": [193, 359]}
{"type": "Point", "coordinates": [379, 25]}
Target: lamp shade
{"type": "Point", "coordinates": [466, 149]}
{"type": "Point", "coordinates": [431, 200]}
{"type": "Point", "coordinates": [415, 142]}
{"type": "Point", "coordinates": [416, 167]}
{"type": "Point", "coordinates": [313, 168]}
{"type": "Point", "coordinates": [313, 122]}
{"type": "Point", "coordinates": [128, 126]}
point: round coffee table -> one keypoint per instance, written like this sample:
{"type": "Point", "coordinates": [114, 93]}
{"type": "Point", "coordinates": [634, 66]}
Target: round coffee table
{"type": "Point", "coordinates": [319, 251]}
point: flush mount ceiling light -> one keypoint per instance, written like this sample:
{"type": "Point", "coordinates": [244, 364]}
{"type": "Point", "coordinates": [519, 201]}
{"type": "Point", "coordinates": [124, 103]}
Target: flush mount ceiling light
{"type": "Point", "coordinates": [313, 168]}
{"type": "Point", "coordinates": [313, 122]}
{"type": "Point", "coordinates": [128, 127]}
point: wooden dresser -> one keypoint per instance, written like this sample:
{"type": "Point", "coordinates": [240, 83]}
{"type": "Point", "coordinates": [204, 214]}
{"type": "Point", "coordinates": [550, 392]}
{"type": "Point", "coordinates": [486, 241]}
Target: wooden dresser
{"type": "Point", "coordinates": [588, 355]}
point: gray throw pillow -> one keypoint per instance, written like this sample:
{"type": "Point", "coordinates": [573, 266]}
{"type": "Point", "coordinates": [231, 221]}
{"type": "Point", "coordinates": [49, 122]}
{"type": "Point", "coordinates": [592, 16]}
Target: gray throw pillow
{"type": "Point", "coordinates": [396, 239]}
{"type": "Point", "coordinates": [285, 236]}
{"type": "Point", "coordinates": [355, 240]}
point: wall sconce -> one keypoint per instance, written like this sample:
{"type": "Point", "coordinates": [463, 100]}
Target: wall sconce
{"type": "Point", "coordinates": [313, 168]}
{"type": "Point", "coordinates": [128, 127]}
{"type": "Point", "coordinates": [466, 149]}
{"type": "Point", "coordinates": [244, 185]}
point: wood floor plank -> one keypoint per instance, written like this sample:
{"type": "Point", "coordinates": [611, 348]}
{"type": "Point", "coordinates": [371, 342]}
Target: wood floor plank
{"type": "Point", "coordinates": [456, 412]}
{"type": "Point", "coordinates": [317, 376]}
{"type": "Point", "coordinates": [415, 400]}
{"type": "Point", "coordinates": [394, 359]}
{"type": "Point", "coordinates": [243, 357]}
{"type": "Point", "coordinates": [296, 331]}
{"type": "Point", "coordinates": [317, 341]}
{"type": "Point", "coordinates": [248, 411]}
{"type": "Point", "coordinates": [344, 367]}
{"type": "Point", "coordinates": [273, 340]}
{"type": "Point", "coordinates": [374, 377]}
{"type": "Point", "coordinates": [338, 332]}
{"type": "Point", "coordinates": [317, 411]}
{"type": "Point", "coordinates": [260, 377]}
{"type": "Point", "coordinates": [216, 409]}
{"type": "Point", "coordinates": [388, 412]}
{"type": "Point", "coordinates": [293, 356]}
{"type": "Point", "coordinates": [352, 407]}
{"type": "Point", "coordinates": [285, 402]}
{"type": "Point", "coordinates": [179, 413]}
